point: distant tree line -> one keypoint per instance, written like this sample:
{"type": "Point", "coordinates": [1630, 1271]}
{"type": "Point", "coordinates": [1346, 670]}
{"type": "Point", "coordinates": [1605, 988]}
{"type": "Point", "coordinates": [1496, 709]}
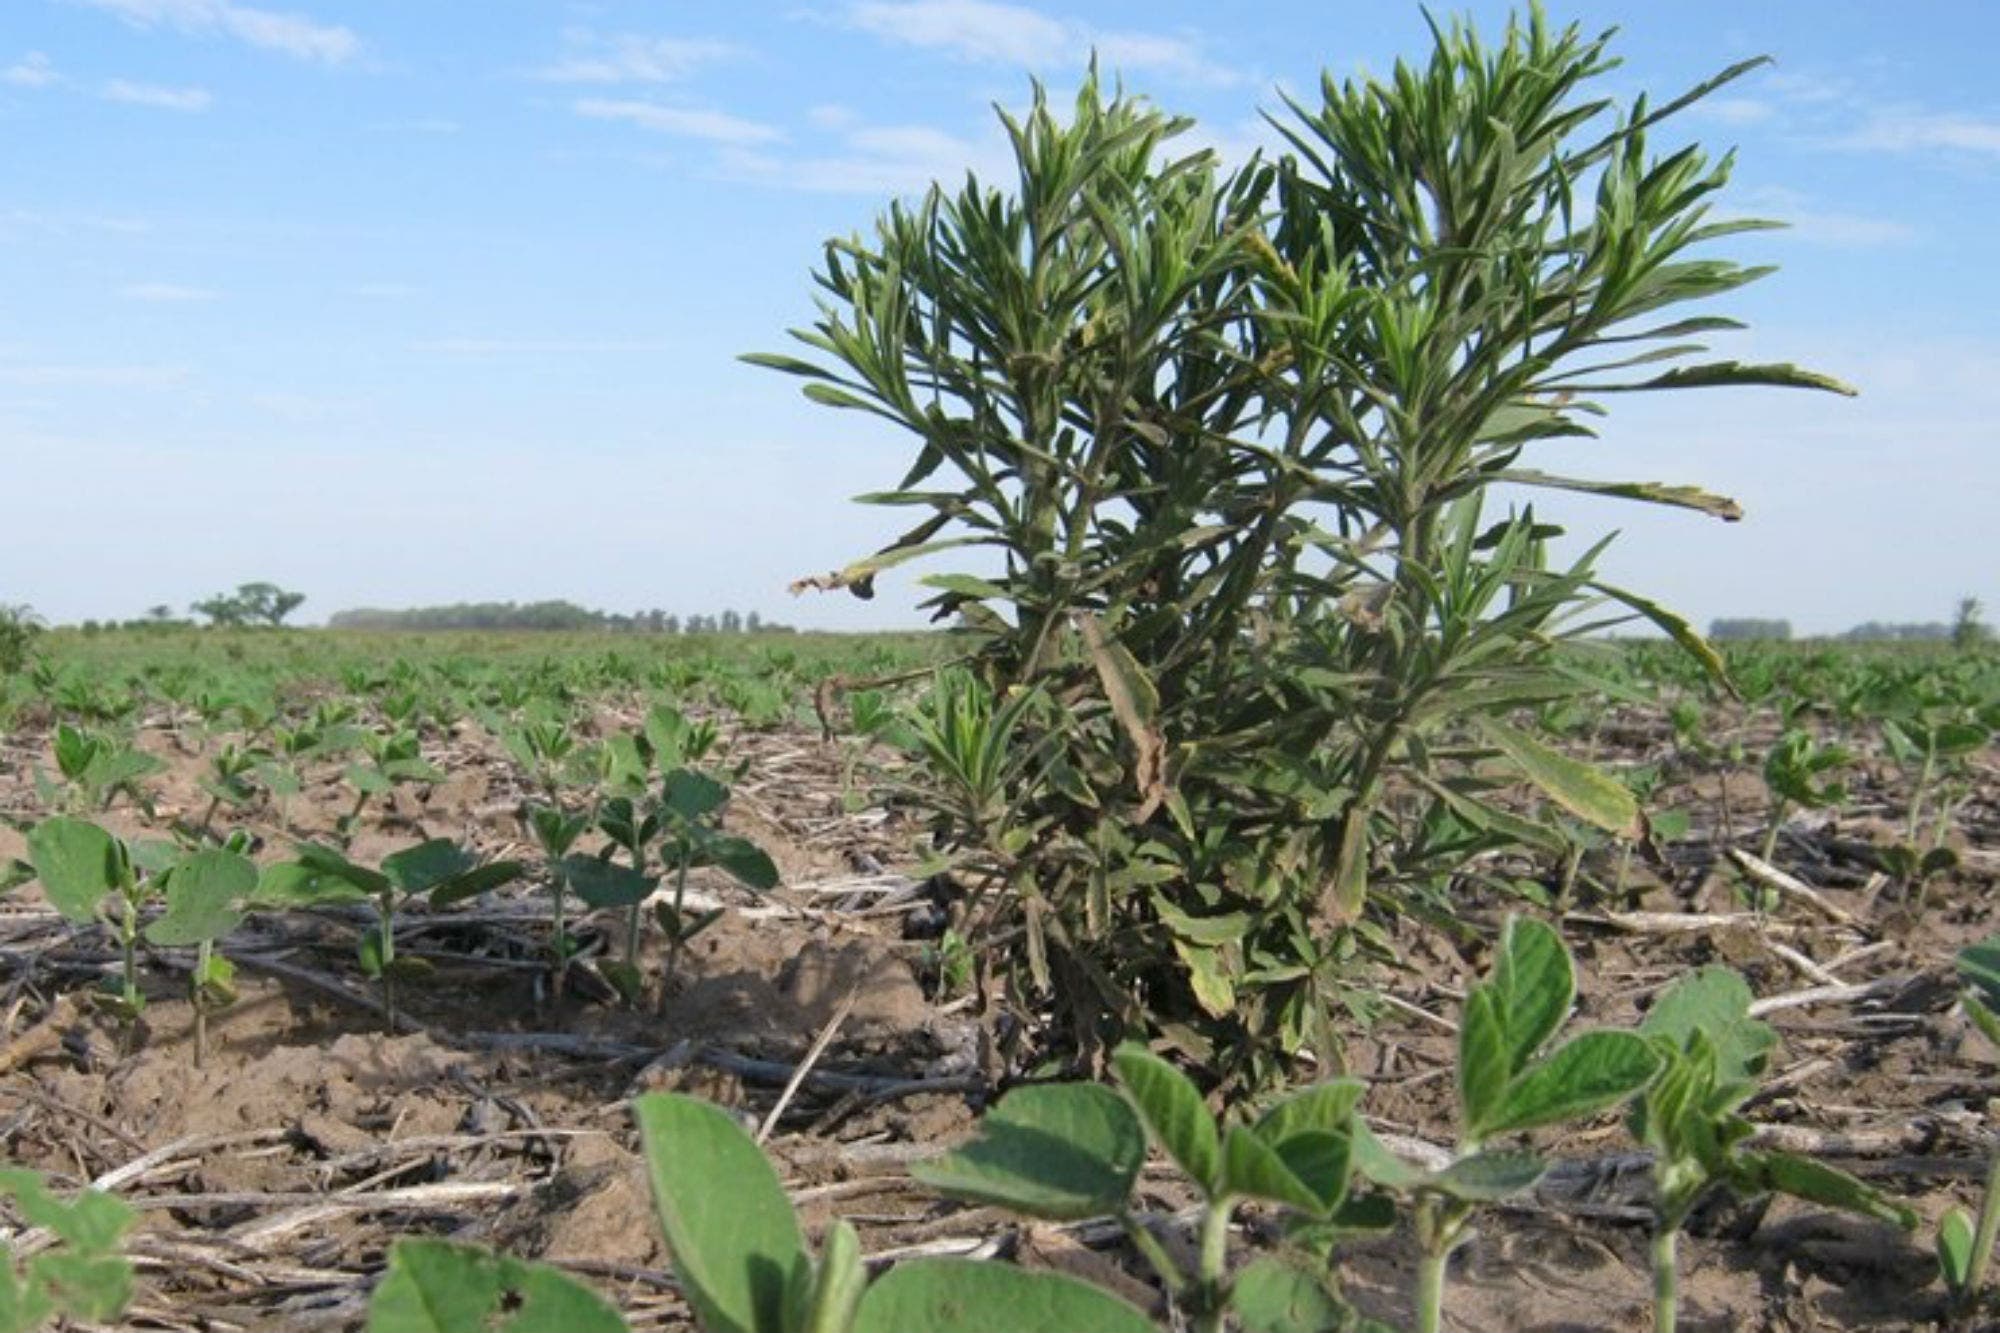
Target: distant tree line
{"type": "Point", "coordinates": [1746, 630]}
{"type": "Point", "coordinates": [556, 615]}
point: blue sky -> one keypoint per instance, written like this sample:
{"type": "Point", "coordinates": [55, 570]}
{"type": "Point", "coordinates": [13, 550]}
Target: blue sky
{"type": "Point", "coordinates": [402, 303]}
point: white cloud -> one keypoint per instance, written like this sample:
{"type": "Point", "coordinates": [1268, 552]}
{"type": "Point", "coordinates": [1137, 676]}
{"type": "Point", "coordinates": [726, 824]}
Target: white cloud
{"type": "Point", "coordinates": [1806, 221]}
{"type": "Point", "coordinates": [166, 293]}
{"type": "Point", "coordinates": [536, 346]}
{"type": "Point", "coordinates": [96, 377]}
{"type": "Point", "coordinates": [147, 94]}
{"type": "Point", "coordinates": [686, 122]}
{"type": "Point", "coordinates": [633, 58]}
{"type": "Point", "coordinates": [33, 70]}
{"type": "Point", "coordinates": [1734, 110]}
{"type": "Point", "coordinates": [1010, 34]}
{"type": "Point", "coordinates": [294, 35]}
{"type": "Point", "coordinates": [875, 160]}
{"type": "Point", "coordinates": [1913, 131]}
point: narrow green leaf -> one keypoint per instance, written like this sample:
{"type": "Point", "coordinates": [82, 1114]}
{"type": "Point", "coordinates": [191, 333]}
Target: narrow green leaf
{"type": "Point", "coordinates": [1584, 791]}
{"type": "Point", "coordinates": [1815, 1182]}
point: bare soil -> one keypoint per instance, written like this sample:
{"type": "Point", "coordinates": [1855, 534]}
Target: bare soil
{"type": "Point", "coordinates": [272, 1179]}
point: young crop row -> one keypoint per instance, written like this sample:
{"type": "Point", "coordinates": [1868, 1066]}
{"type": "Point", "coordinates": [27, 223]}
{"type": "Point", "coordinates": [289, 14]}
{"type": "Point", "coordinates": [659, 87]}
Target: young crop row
{"type": "Point", "coordinates": [1070, 1153]}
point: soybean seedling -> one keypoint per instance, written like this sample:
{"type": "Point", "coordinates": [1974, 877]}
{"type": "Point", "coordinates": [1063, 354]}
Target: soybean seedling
{"type": "Point", "coordinates": [691, 806]}
{"type": "Point", "coordinates": [1965, 1249]}
{"type": "Point", "coordinates": [1793, 771]}
{"type": "Point", "coordinates": [1712, 1055]}
{"type": "Point", "coordinates": [1072, 1152]}
{"type": "Point", "coordinates": [555, 832]}
{"type": "Point", "coordinates": [205, 894]}
{"type": "Point", "coordinates": [228, 781]}
{"type": "Point", "coordinates": [80, 866]}
{"type": "Point", "coordinates": [392, 758]}
{"type": "Point", "coordinates": [1507, 1082]}
{"type": "Point", "coordinates": [441, 869]}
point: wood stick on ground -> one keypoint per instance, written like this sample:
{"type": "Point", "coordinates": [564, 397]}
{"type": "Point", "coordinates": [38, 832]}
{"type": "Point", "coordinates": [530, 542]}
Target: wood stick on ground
{"type": "Point", "coordinates": [1835, 994]}
{"type": "Point", "coordinates": [813, 1053]}
{"type": "Point", "coordinates": [40, 1039]}
{"type": "Point", "coordinates": [1773, 878]}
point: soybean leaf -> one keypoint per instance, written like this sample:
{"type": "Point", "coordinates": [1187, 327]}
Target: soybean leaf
{"type": "Point", "coordinates": [839, 1282]}
{"type": "Point", "coordinates": [1715, 1002]}
{"type": "Point", "coordinates": [435, 1286]}
{"type": "Point", "coordinates": [691, 795]}
{"type": "Point", "coordinates": [1534, 985]}
{"type": "Point", "coordinates": [1272, 1296]}
{"type": "Point", "coordinates": [204, 897]}
{"type": "Point", "coordinates": [1979, 968]}
{"type": "Point", "coordinates": [748, 863]}
{"type": "Point", "coordinates": [1586, 792]}
{"type": "Point", "coordinates": [1174, 1111]}
{"type": "Point", "coordinates": [296, 884]}
{"type": "Point", "coordinates": [423, 867]}
{"type": "Point", "coordinates": [1954, 1248]}
{"type": "Point", "coordinates": [735, 1242]}
{"type": "Point", "coordinates": [1483, 1063]}
{"type": "Point", "coordinates": [1585, 1075]}
{"type": "Point", "coordinates": [1061, 1152]}
{"type": "Point", "coordinates": [1252, 1168]}
{"type": "Point", "coordinates": [1373, 1160]}
{"type": "Point", "coordinates": [1324, 1108]}
{"type": "Point", "coordinates": [1487, 1177]}
{"type": "Point", "coordinates": [1322, 1162]}
{"type": "Point", "coordinates": [77, 864]}
{"type": "Point", "coordinates": [605, 883]}
{"type": "Point", "coordinates": [326, 862]}
{"type": "Point", "coordinates": [964, 1296]}
{"type": "Point", "coordinates": [475, 881]}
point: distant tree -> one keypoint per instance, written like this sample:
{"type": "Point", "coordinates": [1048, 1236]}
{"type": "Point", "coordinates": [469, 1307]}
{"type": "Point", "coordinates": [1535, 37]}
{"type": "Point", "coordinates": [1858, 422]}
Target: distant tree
{"type": "Point", "coordinates": [18, 627]}
{"type": "Point", "coordinates": [267, 602]}
{"type": "Point", "coordinates": [671, 625]}
{"type": "Point", "coordinates": [1969, 628]}
{"type": "Point", "coordinates": [753, 622]}
{"type": "Point", "coordinates": [221, 610]}
{"type": "Point", "coordinates": [732, 623]}
{"type": "Point", "coordinates": [160, 612]}
{"type": "Point", "coordinates": [1744, 630]}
